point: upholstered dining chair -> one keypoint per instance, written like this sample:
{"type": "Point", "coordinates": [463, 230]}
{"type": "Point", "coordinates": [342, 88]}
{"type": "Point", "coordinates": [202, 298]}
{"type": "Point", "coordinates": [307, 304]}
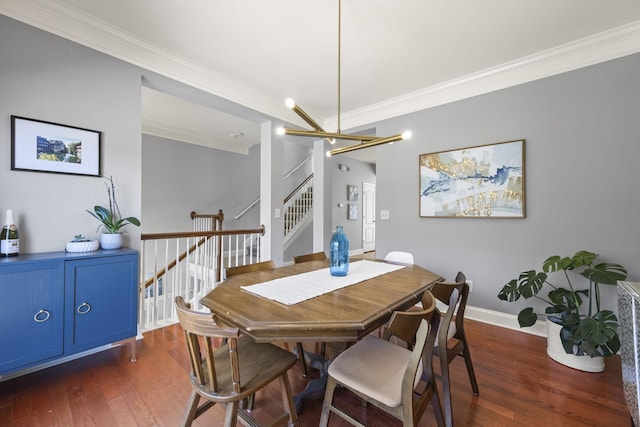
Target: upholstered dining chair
{"type": "Point", "coordinates": [387, 375]}
{"type": "Point", "coordinates": [399, 256]}
{"type": "Point", "coordinates": [232, 372]}
{"type": "Point", "coordinates": [315, 256]}
{"type": "Point", "coordinates": [452, 341]}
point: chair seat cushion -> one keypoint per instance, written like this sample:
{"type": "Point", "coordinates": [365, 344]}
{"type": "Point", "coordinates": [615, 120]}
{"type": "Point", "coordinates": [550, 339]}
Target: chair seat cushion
{"type": "Point", "coordinates": [374, 367]}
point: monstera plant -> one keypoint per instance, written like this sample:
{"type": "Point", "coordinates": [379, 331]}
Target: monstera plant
{"type": "Point", "coordinates": [587, 329]}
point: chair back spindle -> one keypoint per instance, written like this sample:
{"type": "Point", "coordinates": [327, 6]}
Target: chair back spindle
{"type": "Point", "coordinates": [216, 372]}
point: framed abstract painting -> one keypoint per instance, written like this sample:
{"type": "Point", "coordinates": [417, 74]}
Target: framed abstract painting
{"type": "Point", "coordinates": [485, 181]}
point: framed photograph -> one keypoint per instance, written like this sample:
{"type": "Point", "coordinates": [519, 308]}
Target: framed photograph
{"type": "Point", "coordinates": [49, 147]}
{"type": "Point", "coordinates": [485, 181]}
{"type": "Point", "coordinates": [352, 212]}
{"type": "Point", "coordinates": [352, 193]}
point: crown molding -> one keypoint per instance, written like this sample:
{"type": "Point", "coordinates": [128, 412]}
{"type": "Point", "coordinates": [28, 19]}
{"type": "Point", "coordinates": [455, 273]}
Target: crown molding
{"type": "Point", "coordinates": [76, 26]}
{"type": "Point", "coordinates": [601, 47]}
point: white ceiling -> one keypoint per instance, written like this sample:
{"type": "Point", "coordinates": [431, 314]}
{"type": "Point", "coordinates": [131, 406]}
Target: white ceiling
{"type": "Point", "coordinates": [397, 56]}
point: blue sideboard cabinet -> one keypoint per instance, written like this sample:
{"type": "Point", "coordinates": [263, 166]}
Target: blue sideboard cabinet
{"type": "Point", "coordinates": [55, 305]}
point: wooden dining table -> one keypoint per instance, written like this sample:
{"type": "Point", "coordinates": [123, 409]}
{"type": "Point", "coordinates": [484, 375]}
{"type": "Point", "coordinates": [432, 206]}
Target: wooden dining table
{"type": "Point", "coordinates": [341, 316]}
{"type": "Point", "coordinates": [344, 315]}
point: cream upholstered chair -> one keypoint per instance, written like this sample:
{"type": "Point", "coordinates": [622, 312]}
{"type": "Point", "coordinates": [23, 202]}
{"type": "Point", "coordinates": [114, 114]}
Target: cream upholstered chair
{"type": "Point", "coordinates": [232, 372]}
{"type": "Point", "coordinates": [387, 375]}
{"type": "Point", "coordinates": [399, 256]}
{"type": "Point", "coordinates": [452, 341]}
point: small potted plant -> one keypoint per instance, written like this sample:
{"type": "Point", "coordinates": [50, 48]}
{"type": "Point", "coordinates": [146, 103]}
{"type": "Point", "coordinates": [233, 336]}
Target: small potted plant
{"type": "Point", "coordinates": [576, 324]}
{"type": "Point", "coordinates": [111, 219]}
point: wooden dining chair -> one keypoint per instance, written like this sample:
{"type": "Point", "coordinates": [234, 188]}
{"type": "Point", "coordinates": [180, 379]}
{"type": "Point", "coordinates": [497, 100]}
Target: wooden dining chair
{"type": "Point", "coordinates": [259, 266]}
{"type": "Point", "coordinates": [387, 375]}
{"type": "Point", "coordinates": [248, 268]}
{"type": "Point", "coordinates": [232, 372]}
{"type": "Point", "coordinates": [452, 341]}
{"type": "Point", "coordinates": [316, 256]}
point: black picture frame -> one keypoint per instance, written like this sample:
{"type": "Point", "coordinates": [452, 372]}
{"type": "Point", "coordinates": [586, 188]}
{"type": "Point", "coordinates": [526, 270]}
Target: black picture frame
{"type": "Point", "coordinates": [40, 146]}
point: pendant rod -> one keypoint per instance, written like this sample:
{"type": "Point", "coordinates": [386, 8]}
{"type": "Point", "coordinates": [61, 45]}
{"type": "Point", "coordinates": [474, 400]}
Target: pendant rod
{"type": "Point", "coordinates": [339, 56]}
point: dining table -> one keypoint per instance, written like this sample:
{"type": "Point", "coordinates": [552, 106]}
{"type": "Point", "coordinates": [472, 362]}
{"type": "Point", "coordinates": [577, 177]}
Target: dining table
{"type": "Point", "coordinates": [305, 303]}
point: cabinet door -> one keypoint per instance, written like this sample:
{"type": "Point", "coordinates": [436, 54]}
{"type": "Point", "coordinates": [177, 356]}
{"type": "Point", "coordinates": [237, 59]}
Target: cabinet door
{"type": "Point", "coordinates": [101, 301]}
{"type": "Point", "coordinates": [31, 313]}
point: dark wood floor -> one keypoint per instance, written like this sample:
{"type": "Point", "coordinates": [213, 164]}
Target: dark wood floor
{"type": "Point", "coordinates": [519, 386]}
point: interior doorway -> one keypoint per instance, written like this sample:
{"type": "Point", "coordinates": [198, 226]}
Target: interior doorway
{"type": "Point", "coordinates": [368, 217]}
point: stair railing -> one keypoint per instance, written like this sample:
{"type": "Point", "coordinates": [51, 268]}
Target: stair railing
{"type": "Point", "coordinates": [298, 207]}
{"type": "Point", "coordinates": [189, 264]}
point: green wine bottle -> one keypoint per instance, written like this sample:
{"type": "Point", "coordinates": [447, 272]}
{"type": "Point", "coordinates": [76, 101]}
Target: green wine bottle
{"type": "Point", "coordinates": [9, 241]}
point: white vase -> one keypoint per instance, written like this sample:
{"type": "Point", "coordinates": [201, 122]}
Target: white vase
{"type": "Point", "coordinates": [111, 241]}
{"type": "Point", "coordinates": [555, 350]}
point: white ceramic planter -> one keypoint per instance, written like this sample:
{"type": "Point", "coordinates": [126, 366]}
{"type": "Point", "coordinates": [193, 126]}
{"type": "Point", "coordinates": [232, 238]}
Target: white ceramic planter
{"type": "Point", "coordinates": [111, 241]}
{"type": "Point", "coordinates": [555, 350]}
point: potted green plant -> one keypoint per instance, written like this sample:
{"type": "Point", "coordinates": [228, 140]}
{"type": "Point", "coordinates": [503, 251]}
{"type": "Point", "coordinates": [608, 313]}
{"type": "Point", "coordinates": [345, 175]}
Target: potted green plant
{"type": "Point", "coordinates": [585, 329]}
{"type": "Point", "coordinates": [111, 219]}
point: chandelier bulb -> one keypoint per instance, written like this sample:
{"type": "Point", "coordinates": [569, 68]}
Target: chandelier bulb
{"type": "Point", "coordinates": [280, 131]}
{"type": "Point", "coordinates": [290, 103]}
{"type": "Point", "coordinates": [407, 134]}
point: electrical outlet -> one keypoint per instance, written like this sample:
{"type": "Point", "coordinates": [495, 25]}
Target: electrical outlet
{"type": "Point", "coordinates": [470, 282]}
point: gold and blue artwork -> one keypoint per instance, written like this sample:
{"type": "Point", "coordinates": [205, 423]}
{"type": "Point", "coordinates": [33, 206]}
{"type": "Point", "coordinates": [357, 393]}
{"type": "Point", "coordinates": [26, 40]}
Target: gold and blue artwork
{"type": "Point", "coordinates": [482, 181]}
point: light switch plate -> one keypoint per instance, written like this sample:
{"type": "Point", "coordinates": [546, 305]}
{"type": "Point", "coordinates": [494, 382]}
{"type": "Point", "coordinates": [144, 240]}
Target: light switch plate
{"type": "Point", "coordinates": [384, 215]}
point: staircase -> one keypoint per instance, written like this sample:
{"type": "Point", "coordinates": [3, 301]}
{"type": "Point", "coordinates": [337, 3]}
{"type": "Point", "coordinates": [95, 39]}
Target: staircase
{"type": "Point", "coordinates": [298, 210]}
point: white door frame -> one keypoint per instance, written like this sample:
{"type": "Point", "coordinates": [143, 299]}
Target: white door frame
{"type": "Point", "coordinates": [368, 217]}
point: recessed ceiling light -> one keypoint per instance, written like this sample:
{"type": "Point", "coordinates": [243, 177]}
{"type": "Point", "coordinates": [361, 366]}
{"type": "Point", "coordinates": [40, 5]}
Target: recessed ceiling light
{"type": "Point", "coordinates": [237, 135]}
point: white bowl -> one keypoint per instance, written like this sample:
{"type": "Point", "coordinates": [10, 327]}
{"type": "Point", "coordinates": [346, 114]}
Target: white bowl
{"type": "Point", "coordinates": [91, 245]}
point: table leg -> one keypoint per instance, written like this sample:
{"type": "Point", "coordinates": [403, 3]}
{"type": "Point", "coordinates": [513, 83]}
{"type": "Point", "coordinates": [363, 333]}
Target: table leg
{"type": "Point", "coordinates": [315, 387]}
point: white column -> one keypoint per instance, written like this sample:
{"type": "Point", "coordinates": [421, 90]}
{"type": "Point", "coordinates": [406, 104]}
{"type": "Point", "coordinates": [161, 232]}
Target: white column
{"type": "Point", "coordinates": [319, 205]}
{"type": "Point", "coordinates": [271, 192]}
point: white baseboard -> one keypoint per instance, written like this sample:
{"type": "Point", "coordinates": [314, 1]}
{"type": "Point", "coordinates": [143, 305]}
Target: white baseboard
{"type": "Point", "coordinates": [504, 320]}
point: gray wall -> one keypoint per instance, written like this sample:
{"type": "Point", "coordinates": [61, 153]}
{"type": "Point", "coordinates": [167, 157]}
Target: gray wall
{"type": "Point", "coordinates": [358, 173]}
{"type": "Point", "coordinates": [44, 77]}
{"type": "Point", "coordinates": [582, 132]}
{"type": "Point", "coordinates": [179, 178]}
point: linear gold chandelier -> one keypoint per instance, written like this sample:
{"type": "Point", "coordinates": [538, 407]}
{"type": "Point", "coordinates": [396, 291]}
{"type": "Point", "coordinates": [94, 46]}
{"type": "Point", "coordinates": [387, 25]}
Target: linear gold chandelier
{"type": "Point", "coordinates": [319, 132]}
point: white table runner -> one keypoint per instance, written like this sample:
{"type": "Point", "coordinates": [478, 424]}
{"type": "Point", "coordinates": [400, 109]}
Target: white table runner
{"type": "Point", "coordinates": [294, 289]}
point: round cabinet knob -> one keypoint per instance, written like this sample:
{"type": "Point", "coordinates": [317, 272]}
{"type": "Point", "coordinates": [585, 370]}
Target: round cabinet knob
{"type": "Point", "coordinates": [84, 308]}
{"type": "Point", "coordinates": [41, 316]}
